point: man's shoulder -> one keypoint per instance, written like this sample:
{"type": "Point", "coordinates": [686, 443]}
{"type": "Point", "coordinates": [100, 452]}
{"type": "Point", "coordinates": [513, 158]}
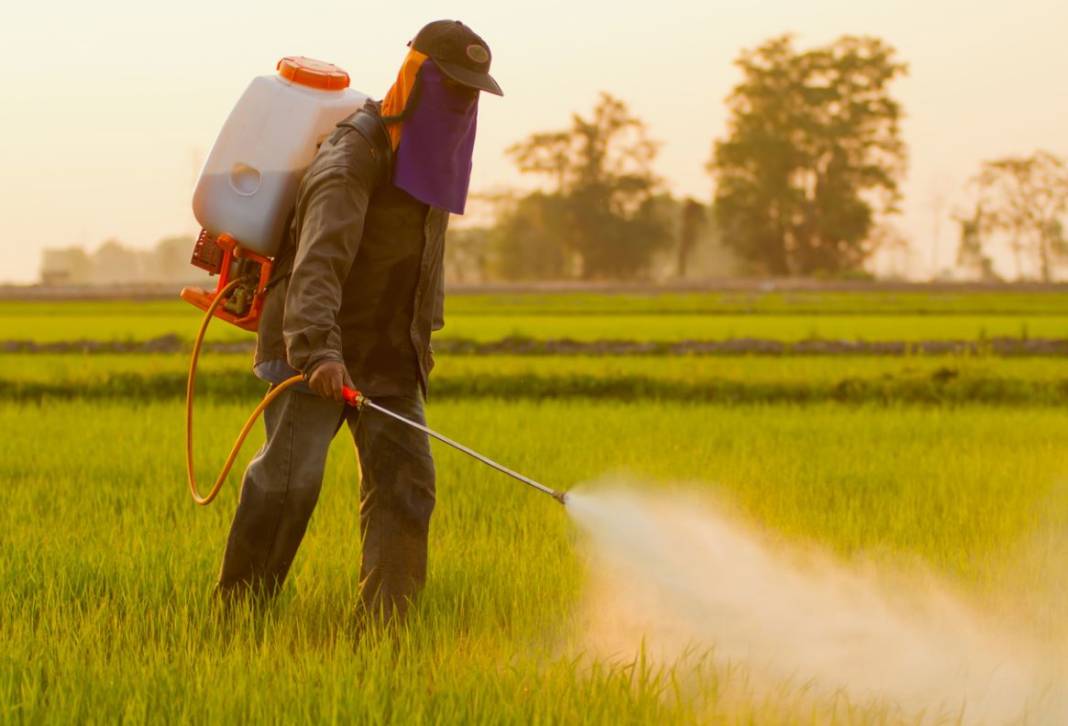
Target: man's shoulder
{"type": "Point", "coordinates": [358, 147]}
{"type": "Point", "coordinates": [367, 122]}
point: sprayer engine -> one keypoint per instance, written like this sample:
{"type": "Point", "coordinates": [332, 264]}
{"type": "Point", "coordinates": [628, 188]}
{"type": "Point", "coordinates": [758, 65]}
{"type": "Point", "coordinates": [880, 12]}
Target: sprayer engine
{"type": "Point", "coordinates": [223, 256]}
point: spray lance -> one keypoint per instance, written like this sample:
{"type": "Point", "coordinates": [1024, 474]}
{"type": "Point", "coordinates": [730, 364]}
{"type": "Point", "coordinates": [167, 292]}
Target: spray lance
{"type": "Point", "coordinates": [357, 399]}
{"type": "Point", "coordinates": [352, 396]}
{"type": "Point", "coordinates": [242, 200]}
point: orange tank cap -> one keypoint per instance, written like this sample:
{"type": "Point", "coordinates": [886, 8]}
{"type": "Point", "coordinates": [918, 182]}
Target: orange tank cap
{"type": "Point", "coordinates": [313, 73]}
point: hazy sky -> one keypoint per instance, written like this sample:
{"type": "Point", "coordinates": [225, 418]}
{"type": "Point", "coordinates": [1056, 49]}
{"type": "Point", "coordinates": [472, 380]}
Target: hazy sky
{"type": "Point", "coordinates": [109, 107]}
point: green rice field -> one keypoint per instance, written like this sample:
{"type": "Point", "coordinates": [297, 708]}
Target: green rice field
{"type": "Point", "coordinates": [584, 317]}
{"type": "Point", "coordinates": [955, 466]}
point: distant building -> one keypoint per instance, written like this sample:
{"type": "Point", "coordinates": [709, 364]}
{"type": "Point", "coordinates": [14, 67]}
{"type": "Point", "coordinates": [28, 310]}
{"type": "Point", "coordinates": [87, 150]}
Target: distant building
{"type": "Point", "coordinates": [66, 266]}
{"type": "Point", "coordinates": [116, 264]}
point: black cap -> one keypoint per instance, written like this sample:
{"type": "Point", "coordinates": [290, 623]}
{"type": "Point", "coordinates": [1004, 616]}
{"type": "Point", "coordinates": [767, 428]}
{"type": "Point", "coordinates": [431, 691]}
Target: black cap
{"type": "Point", "coordinates": [459, 52]}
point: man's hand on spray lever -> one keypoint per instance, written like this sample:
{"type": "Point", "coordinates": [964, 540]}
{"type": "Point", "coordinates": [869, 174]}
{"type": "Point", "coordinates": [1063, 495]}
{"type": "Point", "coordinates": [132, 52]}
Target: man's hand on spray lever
{"type": "Point", "coordinates": [329, 379]}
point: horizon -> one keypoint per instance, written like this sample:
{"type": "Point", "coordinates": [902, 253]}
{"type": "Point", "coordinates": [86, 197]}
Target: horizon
{"type": "Point", "coordinates": [147, 105]}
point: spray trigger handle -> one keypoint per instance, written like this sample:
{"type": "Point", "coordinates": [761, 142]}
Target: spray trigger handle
{"type": "Point", "coordinates": [352, 397]}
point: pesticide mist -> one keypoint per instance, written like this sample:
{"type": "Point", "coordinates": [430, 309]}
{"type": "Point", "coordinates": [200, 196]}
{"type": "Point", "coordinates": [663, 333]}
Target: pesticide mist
{"type": "Point", "coordinates": [675, 576]}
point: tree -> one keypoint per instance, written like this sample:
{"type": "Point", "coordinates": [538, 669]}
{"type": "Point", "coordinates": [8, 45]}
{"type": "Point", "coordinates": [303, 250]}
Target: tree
{"type": "Point", "coordinates": [971, 256]}
{"type": "Point", "coordinates": [467, 254]}
{"type": "Point", "coordinates": [527, 239]}
{"type": "Point", "coordinates": [1021, 201]}
{"type": "Point", "coordinates": [693, 220]}
{"type": "Point", "coordinates": [601, 174]}
{"type": "Point", "coordinates": [813, 154]}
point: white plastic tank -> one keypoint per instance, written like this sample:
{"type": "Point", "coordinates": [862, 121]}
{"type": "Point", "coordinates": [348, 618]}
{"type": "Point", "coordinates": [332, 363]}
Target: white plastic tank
{"type": "Point", "coordinates": [250, 179]}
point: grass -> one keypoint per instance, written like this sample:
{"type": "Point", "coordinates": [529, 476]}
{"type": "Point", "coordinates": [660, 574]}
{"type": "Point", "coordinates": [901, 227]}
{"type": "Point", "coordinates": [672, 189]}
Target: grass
{"type": "Point", "coordinates": [799, 302]}
{"type": "Point", "coordinates": [105, 565]}
{"type": "Point", "coordinates": [1009, 300]}
{"type": "Point", "coordinates": [772, 326]}
{"type": "Point", "coordinates": [736, 380]}
{"type": "Point", "coordinates": [867, 316]}
{"type": "Point", "coordinates": [79, 369]}
{"type": "Point", "coordinates": [956, 464]}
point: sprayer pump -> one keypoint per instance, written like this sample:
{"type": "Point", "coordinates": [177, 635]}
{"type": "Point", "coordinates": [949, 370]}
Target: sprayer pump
{"type": "Point", "coordinates": [222, 256]}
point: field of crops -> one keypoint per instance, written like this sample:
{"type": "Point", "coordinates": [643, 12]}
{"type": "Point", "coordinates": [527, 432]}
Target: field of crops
{"type": "Point", "coordinates": [902, 316]}
{"type": "Point", "coordinates": [951, 465]}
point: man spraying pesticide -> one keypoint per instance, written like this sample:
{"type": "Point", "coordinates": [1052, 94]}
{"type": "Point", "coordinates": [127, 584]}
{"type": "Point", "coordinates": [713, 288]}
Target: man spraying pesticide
{"type": "Point", "coordinates": [344, 288]}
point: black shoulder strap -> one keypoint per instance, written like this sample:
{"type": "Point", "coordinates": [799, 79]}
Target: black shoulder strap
{"type": "Point", "coordinates": [368, 123]}
{"type": "Point", "coordinates": [283, 261]}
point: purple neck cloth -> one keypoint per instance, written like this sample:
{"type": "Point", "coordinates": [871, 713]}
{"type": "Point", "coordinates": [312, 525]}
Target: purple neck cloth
{"type": "Point", "coordinates": [434, 157]}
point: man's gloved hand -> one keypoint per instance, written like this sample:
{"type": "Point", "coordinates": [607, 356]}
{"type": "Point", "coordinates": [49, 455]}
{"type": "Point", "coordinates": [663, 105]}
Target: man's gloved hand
{"type": "Point", "coordinates": [329, 378]}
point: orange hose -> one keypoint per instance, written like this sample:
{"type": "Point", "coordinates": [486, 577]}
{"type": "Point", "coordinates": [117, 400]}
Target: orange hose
{"type": "Point", "coordinates": [189, 389]}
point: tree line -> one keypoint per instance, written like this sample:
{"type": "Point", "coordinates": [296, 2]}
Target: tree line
{"type": "Point", "coordinates": [807, 173]}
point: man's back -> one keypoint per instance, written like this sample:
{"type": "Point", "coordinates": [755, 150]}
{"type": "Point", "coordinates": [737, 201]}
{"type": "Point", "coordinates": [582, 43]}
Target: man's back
{"type": "Point", "coordinates": [379, 319]}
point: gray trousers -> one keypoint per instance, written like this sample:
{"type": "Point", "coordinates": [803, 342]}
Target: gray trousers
{"type": "Point", "coordinates": [281, 487]}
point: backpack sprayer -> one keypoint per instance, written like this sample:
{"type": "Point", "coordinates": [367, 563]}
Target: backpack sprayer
{"type": "Point", "coordinates": [242, 200]}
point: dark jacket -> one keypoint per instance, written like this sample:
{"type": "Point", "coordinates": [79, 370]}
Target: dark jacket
{"type": "Point", "coordinates": [365, 278]}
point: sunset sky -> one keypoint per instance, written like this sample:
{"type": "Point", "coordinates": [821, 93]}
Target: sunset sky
{"type": "Point", "coordinates": [109, 107]}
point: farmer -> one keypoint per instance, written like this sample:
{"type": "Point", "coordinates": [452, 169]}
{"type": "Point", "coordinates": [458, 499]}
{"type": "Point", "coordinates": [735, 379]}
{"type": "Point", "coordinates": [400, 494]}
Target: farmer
{"type": "Point", "coordinates": [356, 296]}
